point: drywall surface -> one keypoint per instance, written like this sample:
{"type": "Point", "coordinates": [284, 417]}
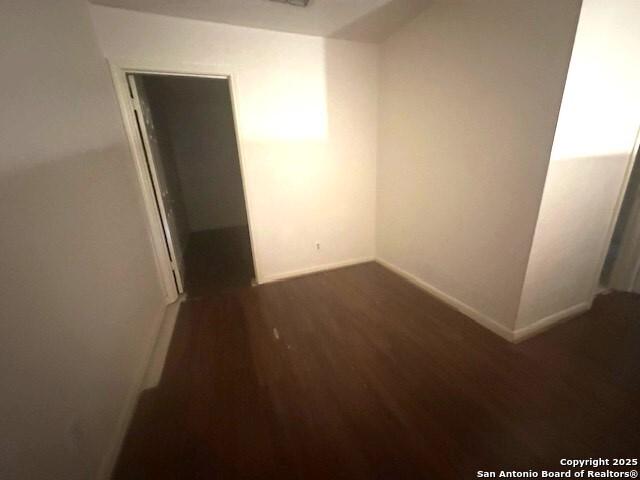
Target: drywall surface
{"type": "Point", "coordinates": [597, 127]}
{"type": "Point", "coordinates": [470, 93]}
{"type": "Point", "coordinates": [199, 119]}
{"type": "Point", "coordinates": [79, 291]}
{"type": "Point", "coordinates": [306, 109]}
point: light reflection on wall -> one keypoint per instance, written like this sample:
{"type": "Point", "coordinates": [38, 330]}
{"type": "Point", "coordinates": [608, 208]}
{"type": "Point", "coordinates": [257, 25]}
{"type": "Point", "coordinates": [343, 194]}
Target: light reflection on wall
{"type": "Point", "coordinates": [600, 111]}
{"type": "Point", "coordinates": [290, 103]}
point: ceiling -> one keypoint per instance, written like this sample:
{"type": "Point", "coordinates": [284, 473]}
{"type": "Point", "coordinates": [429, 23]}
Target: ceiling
{"type": "Point", "coordinates": [360, 20]}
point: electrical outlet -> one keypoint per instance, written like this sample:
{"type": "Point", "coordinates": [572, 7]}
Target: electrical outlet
{"type": "Point", "coordinates": [317, 245]}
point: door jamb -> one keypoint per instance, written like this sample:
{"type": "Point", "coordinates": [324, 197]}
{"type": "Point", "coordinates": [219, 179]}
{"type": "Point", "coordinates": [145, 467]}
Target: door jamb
{"type": "Point", "coordinates": [595, 287]}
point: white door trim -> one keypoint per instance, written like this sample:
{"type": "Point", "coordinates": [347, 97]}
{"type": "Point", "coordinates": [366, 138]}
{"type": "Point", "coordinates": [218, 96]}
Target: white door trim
{"type": "Point", "coordinates": [626, 267]}
{"type": "Point", "coordinates": [595, 286]}
{"type": "Point", "coordinates": [119, 70]}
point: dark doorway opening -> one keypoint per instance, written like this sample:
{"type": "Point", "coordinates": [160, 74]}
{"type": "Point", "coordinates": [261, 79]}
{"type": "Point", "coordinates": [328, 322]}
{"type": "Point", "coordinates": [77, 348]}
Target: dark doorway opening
{"type": "Point", "coordinates": [192, 152]}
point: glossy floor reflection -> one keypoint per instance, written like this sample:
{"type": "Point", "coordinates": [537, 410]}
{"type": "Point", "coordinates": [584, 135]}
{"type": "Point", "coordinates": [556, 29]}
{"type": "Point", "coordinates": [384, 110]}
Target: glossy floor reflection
{"type": "Point", "coordinates": [357, 374]}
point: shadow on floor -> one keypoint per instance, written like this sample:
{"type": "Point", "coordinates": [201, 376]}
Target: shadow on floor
{"type": "Point", "coordinates": [217, 260]}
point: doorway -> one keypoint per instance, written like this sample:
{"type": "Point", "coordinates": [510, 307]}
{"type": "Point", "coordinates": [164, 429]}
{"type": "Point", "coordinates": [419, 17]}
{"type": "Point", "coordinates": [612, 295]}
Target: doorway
{"type": "Point", "coordinates": [621, 270]}
{"type": "Point", "coordinates": [186, 128]}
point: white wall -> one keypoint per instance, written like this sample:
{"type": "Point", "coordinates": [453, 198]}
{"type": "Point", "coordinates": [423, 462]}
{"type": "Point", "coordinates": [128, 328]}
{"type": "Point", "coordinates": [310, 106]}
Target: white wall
{"type": "Point", "coordinates": [79, 293]}
{"type": "Point", "coordinates": [470, 93]}
{"type": "Point", "coordinates": [199, 118]}
{"type": "Point", "coordinates": [596, 131]}
{"type": "Point", "coordinates": [306, 112]}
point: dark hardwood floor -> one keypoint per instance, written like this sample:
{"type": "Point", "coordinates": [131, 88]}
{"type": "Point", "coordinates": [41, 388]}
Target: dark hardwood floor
{"type": "Point", "coordinates": [357, 374]}
{"type": "Point", "coordinates": [218, 259]}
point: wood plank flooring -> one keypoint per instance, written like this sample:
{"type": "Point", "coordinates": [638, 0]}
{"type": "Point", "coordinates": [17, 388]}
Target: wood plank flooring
{"type": "Point", "coordinates": [357, 374]}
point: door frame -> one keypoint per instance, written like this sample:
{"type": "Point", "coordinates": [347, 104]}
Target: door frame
{"type": "Point", "coordinates": [626, 279]}
{"type": "Point", "coordinates": [633, 155]}
{"type": "Point", "coordinates": [119, 71]}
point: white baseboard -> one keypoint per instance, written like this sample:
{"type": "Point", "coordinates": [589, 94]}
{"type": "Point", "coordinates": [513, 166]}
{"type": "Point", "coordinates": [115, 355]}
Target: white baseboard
{"type": "Point", "coordinates": [602, 291]}
{"type": "Point", "coordinates": [546, 323]}
{"type": "Point", "coordinates": [315, 269]}
{"type": "Point", "coordinates": [159, 355]}
{"type": "Point", "coordinates": [154, 346]}
{"type": "Point", "coordinates": [462, 307]}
